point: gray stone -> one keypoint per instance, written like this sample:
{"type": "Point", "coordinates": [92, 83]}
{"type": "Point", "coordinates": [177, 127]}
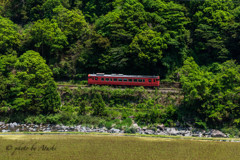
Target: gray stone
{"type": "Point", "coordinates": [195, 135]}
{"type": "Point", "coordinates": [187, 134]}
{"type": "Point", "coordinates": [149, 132]}
{"type": "Point", "coordinates": [104, 128]}
{"type": "Point", "coordinates": [135, 125]}
{"type": "Point", "coordinates": [144, 128]}
{"type": "Point", "coordinates": [217, 133]}
{"type": "Point", "coordinates": [161, 127]}
{"type": "Point", "coordinates": [4, 131]}
{"type": "Point", "coordinates": [11, 126]}
{"type": "Point", "coordinates": [60, 130]}
{"type": "Point", "coordinates": [113, 130]}
{"type": "Point", "coordinates": [2, 123]}
{"type": "Point", "coordinates": [172, 131]}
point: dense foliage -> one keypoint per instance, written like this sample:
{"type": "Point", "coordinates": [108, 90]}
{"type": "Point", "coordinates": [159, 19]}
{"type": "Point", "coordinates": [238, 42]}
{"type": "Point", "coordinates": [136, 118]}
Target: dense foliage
{"type": "Point", "coordinates": [196, 42]}
{"type": "Point", "coordinates": [28, 85]}
{"type": "Point", "coordinates": [211, 95]}
{"type": "Point", "coordinates": [120, 36]}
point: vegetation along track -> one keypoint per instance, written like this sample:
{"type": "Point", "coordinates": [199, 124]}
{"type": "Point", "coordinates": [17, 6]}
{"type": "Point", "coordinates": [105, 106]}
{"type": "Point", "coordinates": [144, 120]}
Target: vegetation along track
{"type": "Point", "coordinates": [166, 90]}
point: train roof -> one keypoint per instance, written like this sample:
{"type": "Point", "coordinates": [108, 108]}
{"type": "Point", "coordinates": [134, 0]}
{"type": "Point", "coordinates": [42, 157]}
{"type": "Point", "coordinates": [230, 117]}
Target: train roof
{"type": "Point", "coordinates": [122, 75]}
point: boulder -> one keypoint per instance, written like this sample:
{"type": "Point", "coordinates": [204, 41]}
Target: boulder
{"type": "Point", "coordinates": [149, 132]}
{"type": "Point", "coordinates": [4, 131]}
{"type": "Point", "coordinates": [217, 133]}
{"type": "Point", "coordinates": [113, 130]}
{"type": "Point", "coordinates": [135, 125]}
{"type": "Point", "coordinates": [161, 127]}
{"type": "Point", "coordinates": [144, 128]}
{"type": "Point", "coordinates": [11, 126]}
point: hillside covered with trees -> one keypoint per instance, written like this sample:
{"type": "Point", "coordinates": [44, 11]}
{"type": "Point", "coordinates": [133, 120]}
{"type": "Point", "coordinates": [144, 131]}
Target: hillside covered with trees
{"type": "Point", "coordinates": [43, 41]}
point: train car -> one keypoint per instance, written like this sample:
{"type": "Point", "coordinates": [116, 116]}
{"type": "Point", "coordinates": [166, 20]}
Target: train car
{"type": "Point", "coordinates": [123, 80]}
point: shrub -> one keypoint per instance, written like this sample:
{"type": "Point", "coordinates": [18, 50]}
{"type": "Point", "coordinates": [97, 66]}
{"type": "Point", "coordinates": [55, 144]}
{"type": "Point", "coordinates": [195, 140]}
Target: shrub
{"type": "Point", "coordinates": [130, 130]}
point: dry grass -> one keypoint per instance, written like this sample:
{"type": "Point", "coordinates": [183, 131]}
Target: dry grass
{"type": "Point", "coordinates": [100, 147]}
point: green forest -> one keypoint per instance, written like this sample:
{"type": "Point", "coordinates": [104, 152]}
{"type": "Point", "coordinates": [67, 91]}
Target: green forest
{"type": "Point", "coordinates": [45, 41]}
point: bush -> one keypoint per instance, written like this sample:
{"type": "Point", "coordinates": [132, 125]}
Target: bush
{"type": "Point", "coordinates": [232, 131]}
{"type": "Point", "coordinates": [130, 130]}
{"type": "Point", "coordinates": [109, 124]}
{"type": "Point", "coordinates": [90, 120]}
{"type": "Point", "coordinates": [40, 119]}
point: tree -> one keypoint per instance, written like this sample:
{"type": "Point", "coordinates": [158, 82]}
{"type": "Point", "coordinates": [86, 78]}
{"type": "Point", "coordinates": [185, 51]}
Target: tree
{"type": "Point", "coordinates": [8, 82]}
{"type": "Point", "coordinates": [37, 90]}
{"type": "Point", "coordinates": [98, 105]}
{"type": "Point", "coordinates": [51, 99]}
{"type": "Point", "coordinates": [147, 49]}
{"type": "Point", "coordinates": [92, 9]}
{"type": "Point", "coordinates": [47, 38]}
{"type": "Point", "coordinates": [10, 39]}
{"type": "Point", "coordinates": [72, 24]}
{"type": "Point", "coordinates": [210, 23]}
{"type": "Point", "coordinates": [211, 94]}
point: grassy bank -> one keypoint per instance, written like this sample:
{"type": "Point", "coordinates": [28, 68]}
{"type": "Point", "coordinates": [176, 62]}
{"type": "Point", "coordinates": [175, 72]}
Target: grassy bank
{"type": "Point", "coordinates": [112, 147]}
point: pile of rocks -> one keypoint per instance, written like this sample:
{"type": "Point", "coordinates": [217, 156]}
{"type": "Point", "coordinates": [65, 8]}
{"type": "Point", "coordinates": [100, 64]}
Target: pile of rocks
{"type": "Point", "coordinates": [158, 130]}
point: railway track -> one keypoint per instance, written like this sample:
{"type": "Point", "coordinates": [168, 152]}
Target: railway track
{"type": "Point", "coordinates": [162, 90]}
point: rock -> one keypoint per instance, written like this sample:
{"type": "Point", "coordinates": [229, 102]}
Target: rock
{"type": "Point", "coordinates": [144, 128]}
{"type": "Point", "coordinates": [11, 126]}
{"type": "Point", "coordinates": [101, 131]}
{"type": "Point", "coordinates": [104, 128]}
{"type": "Point", "coordinates": [78, 128]}
{"type": "Point", "coordinates": [4, 131]}
{"type": "Point", "coordinates": [161, 127]}
{"type": "Point", "coordinates": [162, 133]}
{"type": "Point", "coordinates": [187, 134]}
{"type": "Point", "coordinates": [172, 131]}
{"type": "Point", "coordinates": [149, 132]}
{"type": "Point", "coordinates": [60, 130]}
{"type": "Point", "coordinates": [195, 135]}
{"type": "Point", "coordinates": [135, 125]}
{"type": "Point", "coordinates": [2, 123]}
{"type": "Point", "coordinates": [113, 130]}
{"type": "Point", "coordinates": [217, 133]}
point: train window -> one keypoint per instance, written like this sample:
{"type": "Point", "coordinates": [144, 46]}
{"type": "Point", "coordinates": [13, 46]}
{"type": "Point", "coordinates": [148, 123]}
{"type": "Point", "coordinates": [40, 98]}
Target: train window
{"type": "Point", "coordinates": [102, 79]}
{"type": "Point", "coordinates": [125, 80]}
{"type": "Point", "coordinates": [107, 79]}
{"type": "Point", "coordinates": [143, 80]}
{"type": "Point", "coordinates": [92, 78]}
{"type": "Point", "coordinates": [120, 79]}
{"type": "Point", "coordinates": [129, 80]}
{"type": "Point", "coordinates": [110, 79]}
{"type": "Point", "coordinates": [135, 80]}
{"type": "Point", "coordinates": [139, 80]}
{"type": "Point", "coordinates": [115, 79]}
{"type": "Point", "coordinates": [149, 80]}
{"type": "Point", "coordinates": [96, 79]}
{"type": "Point", "coordinates": [154, 80]}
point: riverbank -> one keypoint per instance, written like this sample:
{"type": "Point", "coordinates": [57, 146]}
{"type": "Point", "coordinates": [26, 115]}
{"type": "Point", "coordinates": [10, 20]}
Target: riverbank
{"type": "Point", "coordinates": [159, 130]}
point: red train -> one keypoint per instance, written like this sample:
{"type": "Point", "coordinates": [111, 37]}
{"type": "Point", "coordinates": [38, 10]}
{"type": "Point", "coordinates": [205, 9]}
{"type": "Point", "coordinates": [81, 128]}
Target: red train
{"type": "Point", "coordinates": [123, 80]}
